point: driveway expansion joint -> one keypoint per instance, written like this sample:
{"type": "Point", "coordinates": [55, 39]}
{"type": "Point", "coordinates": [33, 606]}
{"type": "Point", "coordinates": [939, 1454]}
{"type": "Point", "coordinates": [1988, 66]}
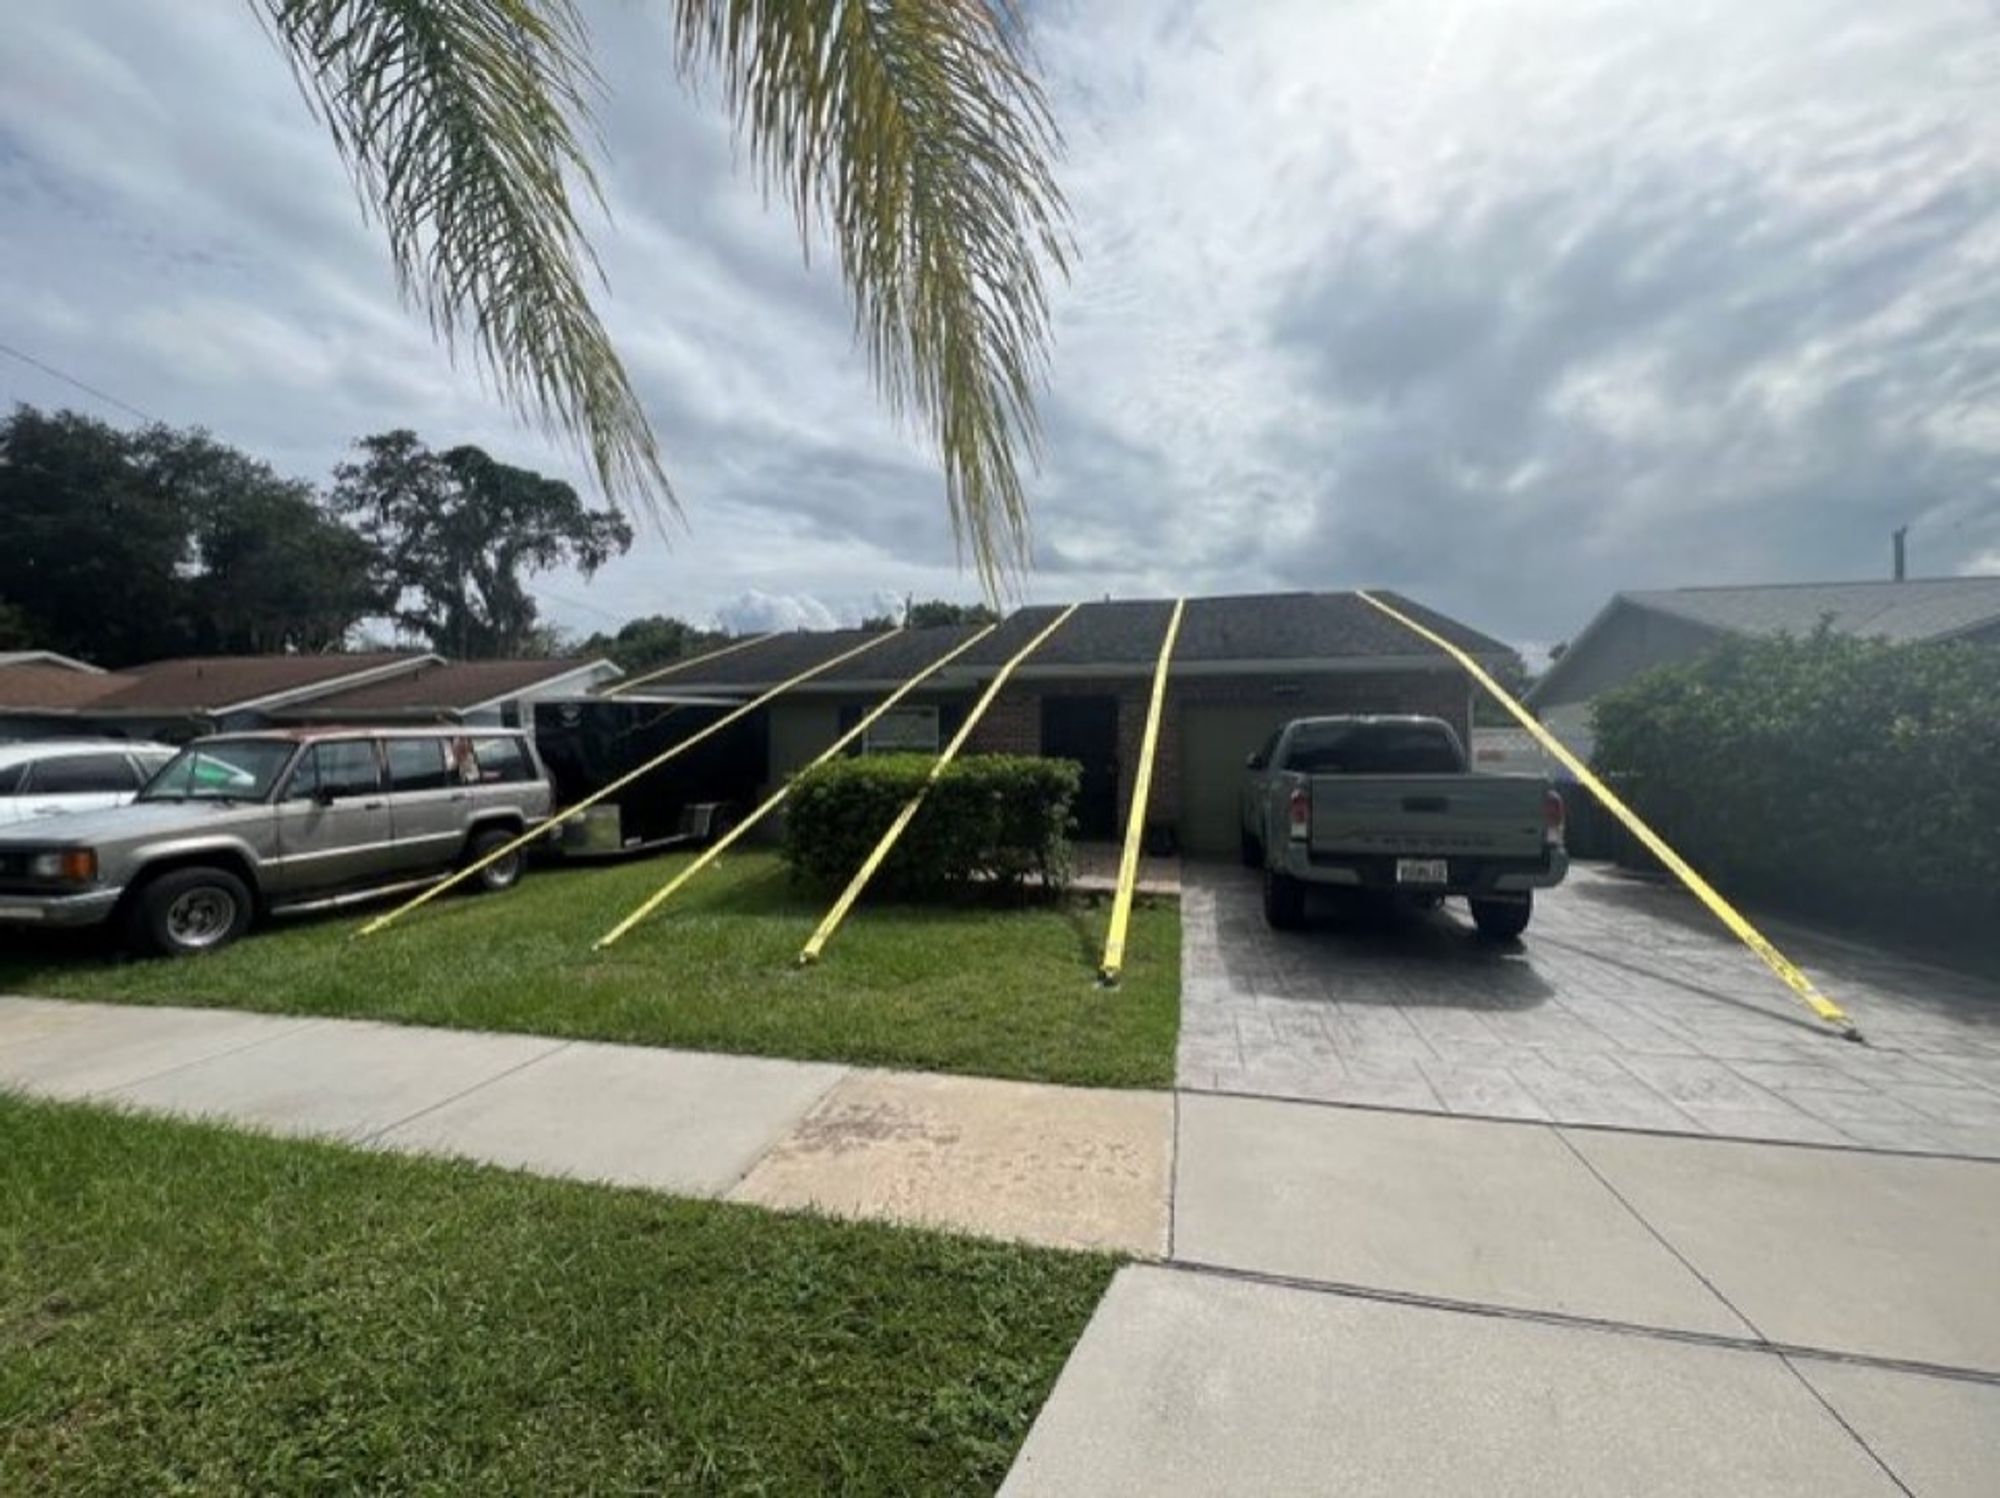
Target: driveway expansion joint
{"type": "Point", "coordinates": [1658, 1236]}
{"type": "Point", "coordinates": [1783, 1350]}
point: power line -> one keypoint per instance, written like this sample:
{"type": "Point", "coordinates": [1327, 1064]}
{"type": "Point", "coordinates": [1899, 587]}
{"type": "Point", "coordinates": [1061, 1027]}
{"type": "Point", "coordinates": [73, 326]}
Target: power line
{"type": "Point", "coordinates": [87, 389]}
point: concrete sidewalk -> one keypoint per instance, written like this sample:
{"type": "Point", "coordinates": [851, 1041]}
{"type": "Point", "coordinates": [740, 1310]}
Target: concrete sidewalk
{"type": "Point", "coordinates": [1352, 1299]}
{"type": "Point", "coordinates": [1070, 1167]}
{"type": "Point", "coordinates": [1198, 1384]}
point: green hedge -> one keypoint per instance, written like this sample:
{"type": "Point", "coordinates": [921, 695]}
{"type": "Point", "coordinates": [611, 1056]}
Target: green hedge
{"type": "Point", "coordinates": [1838, 776]}
{"type": "Point", "coordinates": [998, 818]}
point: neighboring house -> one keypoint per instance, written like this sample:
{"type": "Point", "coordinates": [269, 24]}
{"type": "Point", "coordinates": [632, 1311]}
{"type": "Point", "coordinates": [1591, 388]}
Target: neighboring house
{"type": "Point", "coordinates": [177, 699]}
{"type": "Point", "coordinates": [1637, 631]}
{"type": "Point", "coordinates": [1243, 666]}
{"type": "Point", "coordinates": [494, 693]}
{"type": "Point", "coordinates": [39, 701]}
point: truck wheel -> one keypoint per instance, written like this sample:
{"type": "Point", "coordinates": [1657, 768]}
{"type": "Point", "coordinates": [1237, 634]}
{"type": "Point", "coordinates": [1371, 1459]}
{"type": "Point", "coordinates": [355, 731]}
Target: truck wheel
{"type": "Point", "coordinates": [1252, 851]}
{"type": "Point", "coordinates": [1502, 920]}
{"type": "Point", "coordinates": [185, 911]}
{"type": "Point", "coordinates": [502, 873]}
{"type": "Point", "coordinates": [1284, 902]}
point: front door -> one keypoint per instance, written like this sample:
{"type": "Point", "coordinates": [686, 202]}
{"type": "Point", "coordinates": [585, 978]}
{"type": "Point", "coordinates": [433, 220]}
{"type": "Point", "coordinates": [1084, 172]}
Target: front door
{"type": "Point", "coordinates": [1085, 729]}
{"type": "Point", "coordinates": [333, 821]}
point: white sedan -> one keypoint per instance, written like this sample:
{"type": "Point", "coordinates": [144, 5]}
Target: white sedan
{"type": "Point", "coordinates": [45, 777]}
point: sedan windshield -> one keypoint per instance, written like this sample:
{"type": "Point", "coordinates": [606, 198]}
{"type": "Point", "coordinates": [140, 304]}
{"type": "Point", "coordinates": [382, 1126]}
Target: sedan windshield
{"type": "Point", "coordinates": [220, 770]}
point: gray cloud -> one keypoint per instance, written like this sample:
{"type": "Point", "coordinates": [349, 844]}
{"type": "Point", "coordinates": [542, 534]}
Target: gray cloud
{"type": "Point", "coordinates": [1506, 306]}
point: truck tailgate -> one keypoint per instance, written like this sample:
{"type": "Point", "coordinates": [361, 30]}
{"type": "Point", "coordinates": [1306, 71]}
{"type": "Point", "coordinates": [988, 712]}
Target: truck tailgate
{"type": "Point", "coordinates": [1483, 816]}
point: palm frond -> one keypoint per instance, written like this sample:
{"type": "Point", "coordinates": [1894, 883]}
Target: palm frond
{"type": "Point", "coordinates": [916, 131]}
{"type": "Point", "coordinates": [458, 120]}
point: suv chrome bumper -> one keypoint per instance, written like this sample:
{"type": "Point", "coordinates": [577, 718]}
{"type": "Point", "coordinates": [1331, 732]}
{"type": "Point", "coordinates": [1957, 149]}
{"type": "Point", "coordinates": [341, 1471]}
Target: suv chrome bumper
{"type": "Point", "coordinates": [91, 908]}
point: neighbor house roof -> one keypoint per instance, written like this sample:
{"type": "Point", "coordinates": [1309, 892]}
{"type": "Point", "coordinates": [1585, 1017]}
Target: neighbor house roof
{"type": "Point", "coordinates": [1255, 632]}
{"type": "Point", "coordinates": [1929, 608]}
{"type": "Point", "coordinates": [46, 658]}
{"type": "Point", "coordinates": [222, 683]}
{"type": "Point", "coordinates": [32, 686]}
{"type": "Point", "coordinates": [450, 686]}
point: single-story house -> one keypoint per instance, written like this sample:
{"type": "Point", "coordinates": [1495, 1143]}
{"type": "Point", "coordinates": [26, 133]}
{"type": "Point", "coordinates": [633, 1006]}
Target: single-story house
{"type": "Point", "coordinates": [1636, 632]}
{"type": "Point", "coordinates": [1242, 666]}
{"type": "Point", "coordinates": [180, 698]}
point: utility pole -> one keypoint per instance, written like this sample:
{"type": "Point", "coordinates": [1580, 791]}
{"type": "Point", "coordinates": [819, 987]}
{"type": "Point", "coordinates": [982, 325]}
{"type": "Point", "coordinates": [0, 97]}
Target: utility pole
{"type": "Point", "coordinates": [1901, 551]}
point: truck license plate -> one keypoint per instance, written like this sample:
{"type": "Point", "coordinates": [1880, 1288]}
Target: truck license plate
{"type": "Point", "coordinates": [1422, 871]}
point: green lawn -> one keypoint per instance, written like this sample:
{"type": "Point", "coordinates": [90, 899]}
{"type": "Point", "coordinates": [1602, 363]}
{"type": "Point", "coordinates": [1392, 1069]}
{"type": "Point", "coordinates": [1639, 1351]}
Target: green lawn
{"type": "Point", "coordinates": [186, 1308]}
{"type": "Point", "coordinates": [995, 992]}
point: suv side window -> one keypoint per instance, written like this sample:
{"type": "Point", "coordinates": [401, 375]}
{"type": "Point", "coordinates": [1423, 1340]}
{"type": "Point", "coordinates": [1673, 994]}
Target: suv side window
{"type": "Point", "coordinates": [82, 774]}
{"type": "Point", "coordinates": [502, 759]}
{"type": "Point", "coordinates": [344, 767]}
{"type": "Point", "coordinates": [418, 765]}
{"type": "Point", "coordinates": [10, 779]}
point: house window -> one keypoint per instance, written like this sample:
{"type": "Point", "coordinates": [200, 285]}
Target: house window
{"type": "Point", "coordinates": [903, 730]}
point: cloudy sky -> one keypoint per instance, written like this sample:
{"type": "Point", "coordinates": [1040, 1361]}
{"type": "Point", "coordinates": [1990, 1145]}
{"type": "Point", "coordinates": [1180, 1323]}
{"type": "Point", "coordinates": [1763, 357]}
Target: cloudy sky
{"type": "Point", "coordinates": [1503, 303]}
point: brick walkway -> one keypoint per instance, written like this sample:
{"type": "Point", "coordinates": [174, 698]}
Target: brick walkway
{"type": "Point", "coordinates": [1625, 1005]}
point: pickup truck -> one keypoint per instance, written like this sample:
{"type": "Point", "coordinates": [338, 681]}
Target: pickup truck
{"type": "Point", "coordinates": [1387, 804]}
{"type": "Point", "coordinates": [241, 825]}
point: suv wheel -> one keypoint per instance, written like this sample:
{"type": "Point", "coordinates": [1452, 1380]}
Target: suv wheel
{"type": "Point", "coordinates": [1502, 920]}
{"type": "Point", "coordinates": [185, 911]}
{"type": "Point", "coordinates": [503, 872]}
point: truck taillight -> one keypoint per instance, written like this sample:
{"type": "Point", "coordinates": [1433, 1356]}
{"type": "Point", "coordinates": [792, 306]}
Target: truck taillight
{"type": "Point", "coordinates": [1553, 815]}
{"type": "Point", "coordinates": [1300, 814]}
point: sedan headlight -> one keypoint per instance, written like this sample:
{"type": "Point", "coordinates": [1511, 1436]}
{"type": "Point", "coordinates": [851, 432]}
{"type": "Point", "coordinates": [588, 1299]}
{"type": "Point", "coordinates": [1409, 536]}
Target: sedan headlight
{"type": "Point", "coordinates": [74, 865]}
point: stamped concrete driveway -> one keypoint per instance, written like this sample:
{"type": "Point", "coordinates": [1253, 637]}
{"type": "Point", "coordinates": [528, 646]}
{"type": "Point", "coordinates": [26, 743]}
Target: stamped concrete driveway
{"type": "Point", "coordinates": [1625, 1005]}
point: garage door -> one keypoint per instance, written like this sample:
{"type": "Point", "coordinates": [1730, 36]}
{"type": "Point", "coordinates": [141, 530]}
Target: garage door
{"type": "Point", "coordinates": [1214, 742]}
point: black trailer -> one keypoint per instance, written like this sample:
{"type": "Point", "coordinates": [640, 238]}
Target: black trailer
{"type": "Point", "coordinates": [590, 742]}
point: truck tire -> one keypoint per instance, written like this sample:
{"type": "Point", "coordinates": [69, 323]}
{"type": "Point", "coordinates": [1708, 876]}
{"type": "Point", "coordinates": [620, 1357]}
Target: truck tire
{"type": "Point", "coordinates": [1251, 851]}
{"type": "Point", "coordinates": [1502, 920]}
{"type": "Point", "coordinates": [1284, 901]}
{"type": "Point", "coordinates": [189, 910]}
{"type": "Point", "coordinates": [501, 874]}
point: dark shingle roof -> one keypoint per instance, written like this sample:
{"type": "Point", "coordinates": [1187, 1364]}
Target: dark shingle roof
{"type": "Point", "coordinates": [1120, 636]}
{"type": "Point", "coordinates": [449, 685]}
{"type": "Point", "coordinates": [207, 683]}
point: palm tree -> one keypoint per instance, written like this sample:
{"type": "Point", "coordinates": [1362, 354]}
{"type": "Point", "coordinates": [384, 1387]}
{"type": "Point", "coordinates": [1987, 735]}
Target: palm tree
{"type": "Point", "coordinates": [913, 129]}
